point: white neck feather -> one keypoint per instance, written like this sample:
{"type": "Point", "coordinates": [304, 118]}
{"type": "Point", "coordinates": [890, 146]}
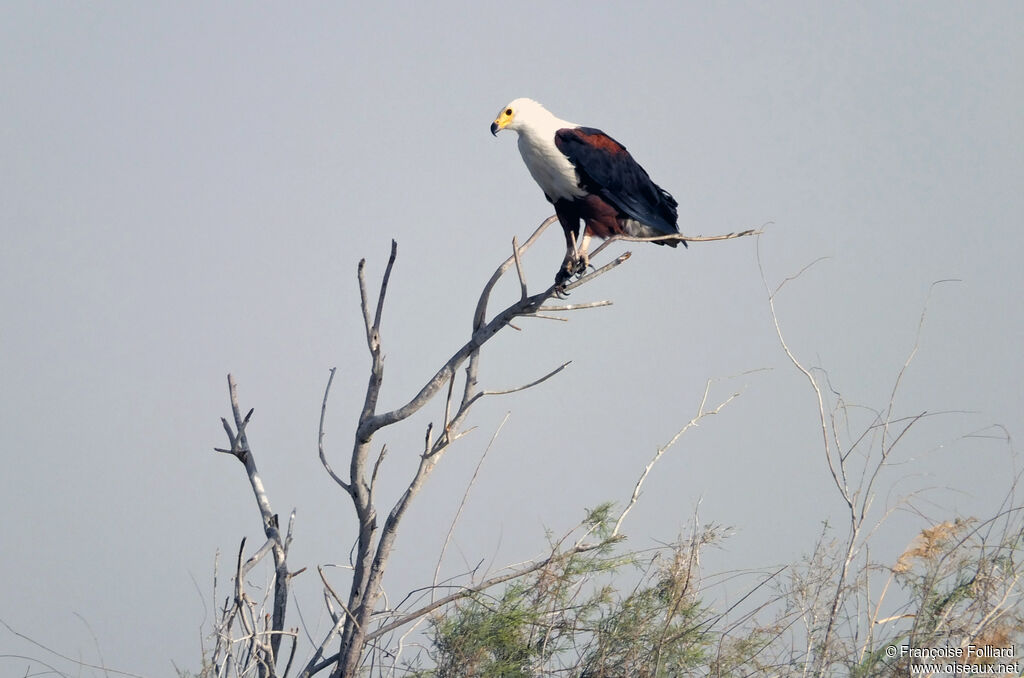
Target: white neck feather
{"type": "Point", "coordinates": [548, 166]}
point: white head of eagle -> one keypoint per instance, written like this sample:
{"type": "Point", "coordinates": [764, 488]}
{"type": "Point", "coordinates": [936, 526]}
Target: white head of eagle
{"type": "Point", "coordinates": [587, 176]}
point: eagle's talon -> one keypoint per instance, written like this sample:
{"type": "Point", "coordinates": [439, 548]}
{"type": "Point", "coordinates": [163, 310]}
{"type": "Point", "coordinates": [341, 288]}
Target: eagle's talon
{"type": "Point", "coordinates": [563, 278]}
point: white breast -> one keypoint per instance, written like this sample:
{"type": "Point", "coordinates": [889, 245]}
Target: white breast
{"type": "Point", "coordinates": [549, 168]}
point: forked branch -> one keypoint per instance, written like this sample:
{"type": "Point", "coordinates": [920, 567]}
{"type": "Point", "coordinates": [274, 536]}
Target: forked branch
{"type": "Point", "coordinates": [264, 655]}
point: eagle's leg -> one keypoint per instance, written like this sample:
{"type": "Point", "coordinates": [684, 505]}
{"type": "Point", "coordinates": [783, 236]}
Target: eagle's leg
{"type": "Point", "coordinates": [576, 257]}
{"type": "Point", "coordinates": [582, 256]}
{"type": "Point", "coordinates": [570, 264]}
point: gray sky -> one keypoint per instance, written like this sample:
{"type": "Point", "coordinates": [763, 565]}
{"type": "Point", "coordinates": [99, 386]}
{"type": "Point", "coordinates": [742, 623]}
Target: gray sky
{"type": "Point", "coordinates": [186, 190]}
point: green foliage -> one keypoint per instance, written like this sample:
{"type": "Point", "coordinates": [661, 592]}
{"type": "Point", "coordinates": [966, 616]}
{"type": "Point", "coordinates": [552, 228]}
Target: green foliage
{"type": "Point", "coordinates": [603, 614]}
{"type": "Point", "coordinates": [654, 630]}
{"type": "Point", "coordinates": [566, 617]}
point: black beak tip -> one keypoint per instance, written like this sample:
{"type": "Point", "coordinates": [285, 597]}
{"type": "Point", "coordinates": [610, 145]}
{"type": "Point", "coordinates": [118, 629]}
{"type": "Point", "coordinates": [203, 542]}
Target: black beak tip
{"type": "Point", "coordinates": [494, 129]}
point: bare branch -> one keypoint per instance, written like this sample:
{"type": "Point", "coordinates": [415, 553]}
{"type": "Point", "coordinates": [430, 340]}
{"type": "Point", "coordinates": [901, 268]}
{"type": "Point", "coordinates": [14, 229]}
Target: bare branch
{"type": "Point", "coordinates": [531, 384]}
{"type": "Point", "coordinates": [676, 237]}
{"type": "Point", "coordinates": [320, 436]}
{"type": "Point", "coordinates": [481, 307]}
{"type": "Point", "coordinates": [384, 286]}
{"type": "Point", "coordinates": [240, 448]}
{"type": "Point", "coordinates": [465, 497]}
{"type": "Point", "coordinates": [376, 468]}
{"type": "Point", "coordinates": [572, 307]}
{"type": "Point", "coordinates": [519, 268]}
{"type": "Point", "coordinates": [334, 594]}
{"type": "Point", "coordinates": [593, 274]}
{"type": "Point", "coordinates": [701, 413]}
{"type": "Point", "coordinates": [480, 314]}
{"type": "Point", "coordinates": [448, 404]}
{"type": "Point", "coordinates": [364, 303]}
{"type": "Point", "coordinates": [373, 423]}
{"type": "Point", "coordinates": [72, 660]}
{"type": "Point", "coordinates": [822, 418]}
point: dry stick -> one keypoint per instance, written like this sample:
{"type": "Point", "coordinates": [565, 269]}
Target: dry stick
{"type": "Point", "coordinates": [240, 605]}
{"type": "Point", "coordinates": [401, 644]}
{"type": "Point", "coordinates": [320, 437]}
{"type": "Point", "coordinates": [291, 655]}
{"type": "Point", "coordinates": [485, 295]}
{"type": "Point", "coordinates": [76, 662]}
{"type": "Point", "coordinates": [895, 387]}
{"type": "Point", "coordinates": [334, 594]}
{"type": "Point", "coordinates": [823, 421]}
{"type": "Point", "coordinates": [530, 385]}
{"type": "Point", "coordinates": [95, 640]}
{"type": "Point", "coordinates": [480, 314]}
{"type": "Point", "coordinates": [448, 407]}
{"type": "Point", "coordinates": [519, 268]}
{"type": "Point", "coordinates": [375, 422]}
{"type": "Point", "coordinates": [590, 276]}
{"type": "Point", "coordinates": [484, 333]}
{"type": "Point", "coordinates": [255, 558]}
{"type": "Point", "coordinates": [544, 316]}
{"type": "Point", "coordinates": [384, 285]}
{"type": "Point", "coordinates": [661, 450]}
{"type": "Point", "coordinates": [864, 492]}
{"type": "Point", "coordinates": [571, 307]}
{"type": "Point", "coordinates": [462, 504]}
{"type": "Point", "coordinates": [803, 370]}
{"type": "Point", "coordinates": [376, 470]}
{"type": "Point", "coordinates": [674, 238]}
{"type": "Point", "coordinates": [240, 448]}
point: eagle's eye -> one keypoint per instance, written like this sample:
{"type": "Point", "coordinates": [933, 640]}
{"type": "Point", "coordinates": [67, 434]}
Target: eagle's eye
{"type": "Point", "coordinates": [508, 111]}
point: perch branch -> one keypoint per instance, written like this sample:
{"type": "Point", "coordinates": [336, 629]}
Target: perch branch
{"type": "Point", "coordinates": [677, 237]}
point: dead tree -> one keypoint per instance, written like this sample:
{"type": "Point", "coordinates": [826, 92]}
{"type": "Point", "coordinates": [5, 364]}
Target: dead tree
{"type": "Point", "coordinates": [354, 623]}
{"type": "Point", "coordinates": [263, 633]}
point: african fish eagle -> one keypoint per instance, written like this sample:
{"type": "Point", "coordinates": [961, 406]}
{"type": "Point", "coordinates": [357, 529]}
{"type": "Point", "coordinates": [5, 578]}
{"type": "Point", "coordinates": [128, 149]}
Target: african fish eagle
{"type": "Point", "coordinates": [587, 175]}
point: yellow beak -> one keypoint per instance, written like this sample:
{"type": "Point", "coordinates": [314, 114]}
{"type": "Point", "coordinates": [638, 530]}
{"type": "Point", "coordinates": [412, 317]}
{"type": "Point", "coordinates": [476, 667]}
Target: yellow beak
{"type": "Point", "coordinates": [501, 122]}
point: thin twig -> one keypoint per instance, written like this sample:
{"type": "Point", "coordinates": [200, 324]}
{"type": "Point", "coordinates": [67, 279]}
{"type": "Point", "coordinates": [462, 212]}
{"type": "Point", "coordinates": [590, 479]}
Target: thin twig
{"type": "Point", "coordinates": [320, 436]}
{"type": "Point", "coordinates": [519, 268]}
{"type": "Point", "coordinates": [701, 413]}
{"type": "Point", "coordinates": [574, 307]}
{"type": "Point", "coordinates": [593, 274]}
{"type": "Point", "coordinates": [77, 662]}
{"type": "Point", "coordinates": [677, 237]}
{"type": "Point", "coordinates": [465, 497]}
{"type": "Point", "coordinates": [531, 384]}
{"type": "Point", "coordinates": [384, 286]}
